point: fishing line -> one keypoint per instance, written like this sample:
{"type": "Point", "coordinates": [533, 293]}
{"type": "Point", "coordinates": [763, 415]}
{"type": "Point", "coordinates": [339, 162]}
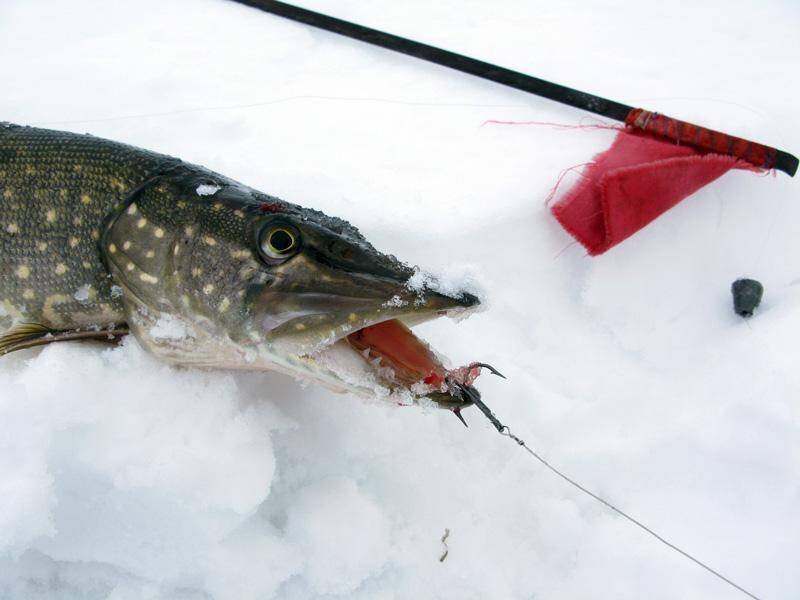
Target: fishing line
{"type": "Point", "coordinates": [287, 99]}
{"type": "Point", "coordinates": [506, 432]}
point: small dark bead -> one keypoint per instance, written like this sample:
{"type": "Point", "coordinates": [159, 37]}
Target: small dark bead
{"type": "Point", "coordinates": [747, 295]}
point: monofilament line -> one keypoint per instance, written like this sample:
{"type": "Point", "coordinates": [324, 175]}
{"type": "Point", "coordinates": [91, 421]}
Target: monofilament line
{"type": "Point", "coordinates": [507, 433]}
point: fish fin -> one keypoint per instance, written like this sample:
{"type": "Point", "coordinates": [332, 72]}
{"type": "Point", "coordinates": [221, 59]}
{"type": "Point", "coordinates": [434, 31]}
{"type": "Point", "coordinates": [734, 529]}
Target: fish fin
{"type": "Point", "coordinates": [21, 335]}
{"type": "Point", "coordinates": [28, 335]}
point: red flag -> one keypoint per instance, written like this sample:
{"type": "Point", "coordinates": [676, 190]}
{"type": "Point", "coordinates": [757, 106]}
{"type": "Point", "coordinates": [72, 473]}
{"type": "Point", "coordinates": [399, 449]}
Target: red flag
{"type": "Point", "coordinates": [637, 179]}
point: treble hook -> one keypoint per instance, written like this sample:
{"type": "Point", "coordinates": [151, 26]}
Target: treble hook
{"type": "Point", "coordinates": [490, 367]}
{"type": "Point", "coordinates": [457, 412]}
{"type": "Point", "coordinates": [473, 396]}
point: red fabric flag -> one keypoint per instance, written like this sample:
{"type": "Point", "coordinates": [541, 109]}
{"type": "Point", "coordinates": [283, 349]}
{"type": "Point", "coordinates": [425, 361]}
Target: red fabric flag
{"type": "Point", "coordinates": [637, 179]}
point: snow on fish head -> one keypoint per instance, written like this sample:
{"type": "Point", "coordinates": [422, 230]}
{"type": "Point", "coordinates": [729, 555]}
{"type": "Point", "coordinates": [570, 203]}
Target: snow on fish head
{"type": "Point", "coordinates": [250, 282]}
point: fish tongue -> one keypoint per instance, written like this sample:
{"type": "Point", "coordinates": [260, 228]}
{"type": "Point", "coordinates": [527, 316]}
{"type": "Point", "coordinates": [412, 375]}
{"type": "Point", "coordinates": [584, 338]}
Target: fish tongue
{"type": "Point", "coordinates": [409, 357]}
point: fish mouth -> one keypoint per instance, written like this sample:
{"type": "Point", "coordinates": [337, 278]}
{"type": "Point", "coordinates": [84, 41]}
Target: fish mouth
{"type": "Point", "coordinates": [378, 354]}
{"type": "Point", "coordinates": [350, 329]}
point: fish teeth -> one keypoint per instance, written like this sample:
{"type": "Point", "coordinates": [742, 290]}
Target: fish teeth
{"type": "Point", "coordinates": [365, 353]}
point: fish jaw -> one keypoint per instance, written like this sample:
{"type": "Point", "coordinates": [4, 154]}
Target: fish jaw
{"type": "Point", "coordinates": [316, 339]}
{"type": "Point", "coordinates": [189, 340]}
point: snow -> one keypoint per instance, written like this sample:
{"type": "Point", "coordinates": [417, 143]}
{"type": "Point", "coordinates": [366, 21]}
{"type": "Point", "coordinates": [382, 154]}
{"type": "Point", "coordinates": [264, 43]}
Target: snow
{"type": "Point", "coordinates": [82, 293]}
{"type": "Point", "coordinates": [168, 327]}
{"type": "Point", "coordinates": [395, 301]}
{"type": "Point", "coordinates": [122, 477]}
{"type": "Point", "coordinates": [207, 189]}
{"type": "Point", "coordinates": [454, 281]}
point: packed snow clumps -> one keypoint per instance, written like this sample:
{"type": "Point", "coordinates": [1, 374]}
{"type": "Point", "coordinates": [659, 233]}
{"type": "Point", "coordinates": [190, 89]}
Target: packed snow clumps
{"type": "Point", "coordinates": [454, 281]}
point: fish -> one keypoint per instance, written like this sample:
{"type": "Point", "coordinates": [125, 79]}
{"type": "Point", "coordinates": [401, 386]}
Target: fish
{"type": "Point", "coordinates": [101, 240]}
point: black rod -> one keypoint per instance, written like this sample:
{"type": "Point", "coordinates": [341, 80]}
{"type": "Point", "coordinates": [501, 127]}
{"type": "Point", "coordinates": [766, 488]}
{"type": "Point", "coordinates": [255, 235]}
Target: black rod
{"type": "Point", "coordinates": [465, 64]}
{"type": "Point", "coordinates": [770, 158]}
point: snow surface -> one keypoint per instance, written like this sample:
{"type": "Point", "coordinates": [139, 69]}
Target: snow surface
{"type": "Point", "coordinates": [124, 478]}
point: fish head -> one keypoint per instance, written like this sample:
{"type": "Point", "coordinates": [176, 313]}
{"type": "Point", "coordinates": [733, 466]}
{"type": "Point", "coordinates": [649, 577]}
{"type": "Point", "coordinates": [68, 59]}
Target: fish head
{"type": "Point", "coordinates": [256, 283]}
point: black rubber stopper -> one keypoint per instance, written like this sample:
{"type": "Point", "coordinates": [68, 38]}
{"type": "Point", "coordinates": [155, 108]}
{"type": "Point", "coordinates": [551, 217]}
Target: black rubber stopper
{"type": "Point", "coordinates": [747, 295]}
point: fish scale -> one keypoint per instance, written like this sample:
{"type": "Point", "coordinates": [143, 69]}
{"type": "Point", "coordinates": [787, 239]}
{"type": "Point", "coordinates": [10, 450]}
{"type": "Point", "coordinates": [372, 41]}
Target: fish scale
{"type": "Point", "coordinates": [56, 191]}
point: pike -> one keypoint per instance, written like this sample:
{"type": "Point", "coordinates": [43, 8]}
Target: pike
{"type": "Point", "coordinates": [653, 123]}
{"type": "Point", "coordinates": [100, 239]}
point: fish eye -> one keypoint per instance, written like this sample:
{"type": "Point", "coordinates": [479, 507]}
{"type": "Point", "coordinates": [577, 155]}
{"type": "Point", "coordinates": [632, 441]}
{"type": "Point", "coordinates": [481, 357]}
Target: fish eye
{"type": "Point", "coordinates": [278, 243]}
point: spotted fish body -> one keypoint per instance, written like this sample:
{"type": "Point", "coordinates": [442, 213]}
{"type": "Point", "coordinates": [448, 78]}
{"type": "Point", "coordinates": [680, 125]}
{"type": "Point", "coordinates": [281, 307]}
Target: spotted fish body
{"type": "Point", "coordinates": [56, 192]}
{"type": "Point", "coordinates": [99, 237]}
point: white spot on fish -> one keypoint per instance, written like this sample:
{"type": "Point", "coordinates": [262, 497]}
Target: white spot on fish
{"type": "Point", "coordinates": [130, 266]}
{"type": "Point", "coordinates": [61, 268]}
{"type": "Point", "coordinates": [50, 215]}
{"type": "Point", "coordinates": [131, 209]}
{"type": "Point", "coordinates": [189, 231]}
{"type": "Point", "coordinates": [86, 199]}
{"type": "Point", "coordinates": [73, 242]}
{"type": "Point", "coordinates": [116, 291]}
{"type": "Point", "coordinates": [150, 254]}
{"type": "Point", "coordinates": [12, 228]}
{"type": "Point", "coordinates": [141, 223]}
{"type": "Point", "coordinates": [224, 305]}
{"type": "Point", "coordinates": [210, 240]}
{"type": "Point", "coordinates": [23, 271]}
{"type": "Point", "coordinates": [207, 189]}
{"type": "Point", "coordinates": [41, 246]}
{"type": "Point", "coordinates": [208, 288]}
{"type": "Point", "coordinates": [28, 294]}
{"type": "Point", "coordinates": [159, 233]}
{"type": "Point", "coordinates": [112, 248]}
{"type": "Point", "coordinates": [147, 278]}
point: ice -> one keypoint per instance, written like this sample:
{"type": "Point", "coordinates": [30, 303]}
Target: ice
{"type": "Point", "coordinates": [123, 478]}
